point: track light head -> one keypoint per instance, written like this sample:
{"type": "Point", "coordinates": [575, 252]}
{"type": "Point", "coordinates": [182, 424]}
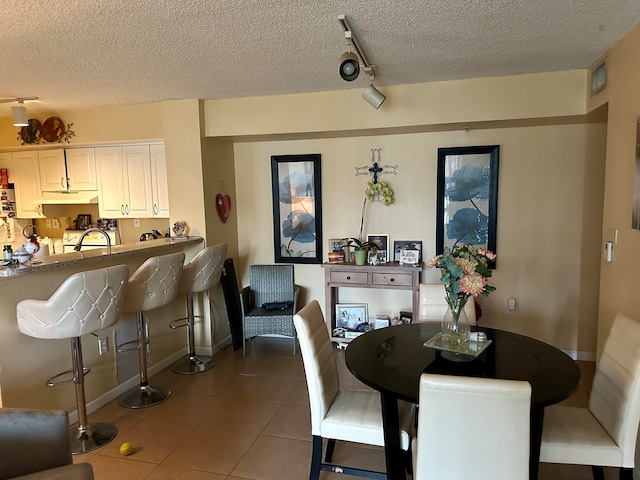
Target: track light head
{"type": "Point", "coordinates": [19, 115]}
{"type": "Point", "coordinates": [373, 96]}
{"type": "Point", "coordinates": [349, 66]}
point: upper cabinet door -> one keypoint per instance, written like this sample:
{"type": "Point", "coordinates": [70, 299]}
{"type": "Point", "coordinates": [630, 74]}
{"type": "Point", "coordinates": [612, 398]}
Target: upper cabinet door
{"type": "Point", "coordinates": [53, 174]}
{"type": "Point", "coordinates": [111, 201]}
{"type": "Point", "coordinates": [81, 169]}
{"type": "Point", "coordinates": [27, 184]}
{"type": "Point", "coordinates": [137, 171]}
{"type": "Point", "coordinates": [159, 184]}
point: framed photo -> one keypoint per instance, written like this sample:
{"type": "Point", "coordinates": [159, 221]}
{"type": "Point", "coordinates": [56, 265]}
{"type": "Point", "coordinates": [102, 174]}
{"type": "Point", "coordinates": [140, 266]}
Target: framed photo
{"type": "Point", "coordinates": [467, 197]}
{"type": "Point", "coordinates": [399, 245]}
{"type": "Point", "coordinates": [352, 316]}
{"type": "Point", "coordinates": [337, 244]}
{"type": "Point", "coordinates": [409, 257]}
{"type": "Point", "coordinates": [297, 208]}
{"type": "Point", "coordinates": [383, 246]}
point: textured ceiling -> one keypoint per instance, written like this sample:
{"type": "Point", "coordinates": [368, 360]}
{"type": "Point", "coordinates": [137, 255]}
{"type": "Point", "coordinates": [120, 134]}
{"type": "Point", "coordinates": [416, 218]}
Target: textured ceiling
{"type": "Point", "coordinates": [77, 53]}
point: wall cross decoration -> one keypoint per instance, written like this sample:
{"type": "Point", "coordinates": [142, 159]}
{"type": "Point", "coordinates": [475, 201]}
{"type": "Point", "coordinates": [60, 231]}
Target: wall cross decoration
{"type": "Point", "coordinates": [376, 169]}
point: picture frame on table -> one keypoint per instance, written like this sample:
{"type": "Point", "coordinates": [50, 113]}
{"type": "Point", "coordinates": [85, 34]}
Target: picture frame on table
{"type": "Point", "coordinates": [409, 257]}
{"type": "Point", "coordinates": [467, 197]}
{"type": "Point", "coordinates": [352, 316]}
{"type": "Point", "coordinates": [399, 245]}
{"type": "Point", "coordinates": [382, 241]}
{"type": "Point", "coordinates": [297, 208]}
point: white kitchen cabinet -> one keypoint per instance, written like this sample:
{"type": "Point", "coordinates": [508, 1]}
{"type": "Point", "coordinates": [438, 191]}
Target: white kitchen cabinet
{"type": "Point", "coordinates": [63, 170]}
{"type": "Point", "coordinates": [6, 162]}
{"type": "Point", "coordinates": [27, 184]}
{"type": "Point", "coordinates": [159, 183]}
{"type": "Point", "coordinates": [81, 169]}
{"type": "Point", "coordinates": [125, 181]}
{"type": "Point", "coordinates": [53, 174]}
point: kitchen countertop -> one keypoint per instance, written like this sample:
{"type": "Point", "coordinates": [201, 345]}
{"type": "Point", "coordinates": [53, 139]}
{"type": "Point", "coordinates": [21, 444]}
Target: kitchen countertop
{"type": "Point", "coordinates": [88, 256]}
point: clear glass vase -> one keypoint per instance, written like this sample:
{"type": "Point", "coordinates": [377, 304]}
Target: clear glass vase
{"type": "Point", "coordinates": [455, 324]}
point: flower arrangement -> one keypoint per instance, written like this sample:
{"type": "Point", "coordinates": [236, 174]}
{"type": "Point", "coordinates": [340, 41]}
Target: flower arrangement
{"type": "Point", "coordinates": [464, 273]}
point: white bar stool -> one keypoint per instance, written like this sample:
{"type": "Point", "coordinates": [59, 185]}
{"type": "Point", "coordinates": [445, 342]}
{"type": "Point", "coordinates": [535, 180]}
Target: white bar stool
{"type": "Point", "coordinates": [153, 285]}
{"type": "Point", "coordinates": [201, 274]}
{"type": "Point", "coordinates": [86, 302]}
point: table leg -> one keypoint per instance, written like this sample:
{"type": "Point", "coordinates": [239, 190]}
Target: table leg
{"type": "Point", "coordinates": [535, 436]}
{"type": "Point", "coordinates": [393, 453]}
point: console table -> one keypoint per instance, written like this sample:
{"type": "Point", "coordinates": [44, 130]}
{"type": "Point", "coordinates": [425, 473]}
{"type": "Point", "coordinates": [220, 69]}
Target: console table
{"type": "Point", "coordinates": [390, 275]}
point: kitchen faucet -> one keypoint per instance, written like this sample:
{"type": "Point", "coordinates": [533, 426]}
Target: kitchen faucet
{"type": "Point", "coordinates": [87, 232]}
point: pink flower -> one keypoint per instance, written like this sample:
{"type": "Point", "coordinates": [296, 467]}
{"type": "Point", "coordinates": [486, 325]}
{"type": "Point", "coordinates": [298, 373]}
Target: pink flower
{"type": "Point", "coordinates": [433, 261]}
{"type": "Point", "coordinates": [490, 255]}
{"type": "Point", "coordinates": [472, 284]}
{"type": "Point", "coordinates": [466, 264]}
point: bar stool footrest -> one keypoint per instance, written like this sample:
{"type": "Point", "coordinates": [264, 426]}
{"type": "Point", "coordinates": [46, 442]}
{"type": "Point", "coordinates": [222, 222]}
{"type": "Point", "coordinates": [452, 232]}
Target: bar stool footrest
{"type": "Point", "coordinates": [51, 383]}
{"type": "Point", "coordinates": [127, 346]}
{"type": "Point", "coordinates": [173, 325]}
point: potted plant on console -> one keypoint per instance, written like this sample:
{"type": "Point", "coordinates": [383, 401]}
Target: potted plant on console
{"type": "Point", "coordinates": [361, 249]}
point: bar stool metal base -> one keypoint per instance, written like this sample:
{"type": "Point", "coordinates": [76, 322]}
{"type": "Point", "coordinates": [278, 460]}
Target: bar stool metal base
{"type": "Point", "coordinates": [192, 364]}
{"type": "Point", "coordinates": [144, 396]}
{"type": "Point", "coordinates": [93, 436]}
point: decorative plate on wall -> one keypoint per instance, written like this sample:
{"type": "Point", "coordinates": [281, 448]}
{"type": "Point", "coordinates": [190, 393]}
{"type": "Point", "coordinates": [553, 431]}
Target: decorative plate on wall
{"type": "Point", "coordinates": [52, 130]}
{"type": "Point", "coordinates": [31, 133]}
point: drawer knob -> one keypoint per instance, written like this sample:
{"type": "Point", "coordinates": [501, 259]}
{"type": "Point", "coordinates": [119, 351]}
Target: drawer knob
{"type": "Point", "coordinates": [392, 279]}
{"type": "Point", "coordinates": [348, 277]}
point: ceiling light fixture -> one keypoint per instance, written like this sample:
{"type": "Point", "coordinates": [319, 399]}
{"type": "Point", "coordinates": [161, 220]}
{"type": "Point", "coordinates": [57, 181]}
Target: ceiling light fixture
{"type": "Point", "coordinates": [19, 112]}
{"type": "Point", "coordinates": [352, 62]}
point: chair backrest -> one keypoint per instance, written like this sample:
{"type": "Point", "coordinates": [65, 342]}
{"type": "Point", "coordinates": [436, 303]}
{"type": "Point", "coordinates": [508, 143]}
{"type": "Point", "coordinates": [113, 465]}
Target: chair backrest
{"type": "Point", "coordinates": [433, 305]}
{"type": "Point", "coordinates": [271, 283]}
{"type": "Point", "coordinates": [472, 428]}
{"type": "Point", "coordinates": [154, 283]}
{"type": "Point", "coordinates": [85, 303]}
{"type": "Point", "coordinates": [204, 270]}
{"type": "Point", "coordinates": [319, 362]}
{"type": "Point", "coordinates": [33, 441]}
{"type": "Point", "coordinates": [615, 393]}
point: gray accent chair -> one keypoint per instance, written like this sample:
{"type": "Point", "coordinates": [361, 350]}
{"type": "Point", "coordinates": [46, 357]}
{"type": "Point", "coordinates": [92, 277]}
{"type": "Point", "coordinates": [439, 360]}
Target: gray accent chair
{"type": "Point", "coordinates": [35, 445]}
{"type": "Point", "coordinates": [269, 284]}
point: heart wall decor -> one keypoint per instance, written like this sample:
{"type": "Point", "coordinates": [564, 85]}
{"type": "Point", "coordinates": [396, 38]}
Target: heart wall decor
{"type": "Point", "coordinates": [223, 205]}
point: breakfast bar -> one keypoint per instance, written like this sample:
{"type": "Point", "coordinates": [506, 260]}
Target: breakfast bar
{"type": "Point", "coordinates": [27, 362]}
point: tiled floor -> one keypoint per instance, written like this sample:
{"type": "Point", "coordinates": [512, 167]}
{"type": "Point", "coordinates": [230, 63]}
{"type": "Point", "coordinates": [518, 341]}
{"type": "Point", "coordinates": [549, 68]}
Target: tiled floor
{"type": "Point", "coordinates": [247, 418]}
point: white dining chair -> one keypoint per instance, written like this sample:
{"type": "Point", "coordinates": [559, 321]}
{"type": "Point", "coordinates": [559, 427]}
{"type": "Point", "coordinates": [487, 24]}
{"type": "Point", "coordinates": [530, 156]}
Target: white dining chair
{"type": "Point", "coordinates": [604, 434]}
{"type": "Point", "coordinates": [433, 305]}
{"type": "Point", "coordinates": [472, 428]}
{"type": "Point", "coordinates": [348, 415]}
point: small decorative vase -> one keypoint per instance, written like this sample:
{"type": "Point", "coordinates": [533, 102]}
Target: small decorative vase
{"type": "Point", "coordinates": [455, 324]}
{"type": "Point", "coordinates": [361, 257]}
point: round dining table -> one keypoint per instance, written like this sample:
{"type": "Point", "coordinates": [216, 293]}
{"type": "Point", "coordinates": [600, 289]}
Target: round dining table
{"type": "Point", "coordinates": [391, 360]}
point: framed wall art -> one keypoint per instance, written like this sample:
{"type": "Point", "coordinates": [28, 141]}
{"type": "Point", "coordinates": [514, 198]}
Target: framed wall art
{"type": "Point", "coordinates": [467, 197]}
{"type": "Point", "coordinates": [297, 208]}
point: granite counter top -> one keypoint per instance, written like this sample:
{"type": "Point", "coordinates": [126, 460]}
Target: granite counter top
{"type": "Point", "coordinates": [64, 260]}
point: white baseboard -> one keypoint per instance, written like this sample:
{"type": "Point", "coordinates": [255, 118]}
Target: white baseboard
{"type": "Point", "coordinates": [119, 389]}
{"type": "Point", "coordinates": [211, 351]}
{"type": "Point", "coordinates": [579, 355]}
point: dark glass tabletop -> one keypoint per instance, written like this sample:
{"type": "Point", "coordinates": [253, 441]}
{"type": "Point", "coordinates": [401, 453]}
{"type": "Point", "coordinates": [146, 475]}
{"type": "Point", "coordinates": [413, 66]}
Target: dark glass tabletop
{"type": "Point", "coordinates": [392, 359]}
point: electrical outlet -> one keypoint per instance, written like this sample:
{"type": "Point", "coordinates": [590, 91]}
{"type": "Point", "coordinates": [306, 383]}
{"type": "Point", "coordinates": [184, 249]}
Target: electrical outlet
{"type": "Point", "coordinates": [48, 222]}
{"type": "Point", "coordinates": [511, 306]}
{"type": "Point", "coordinates": [136, 222]}
{"type": "Point", "coordinates": [56, 223]}
{"type": "Point", "coordinates": [103, 345]}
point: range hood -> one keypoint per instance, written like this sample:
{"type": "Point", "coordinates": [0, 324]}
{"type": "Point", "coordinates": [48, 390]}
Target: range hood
{"type": "Point", "coordinates": [68, 198]}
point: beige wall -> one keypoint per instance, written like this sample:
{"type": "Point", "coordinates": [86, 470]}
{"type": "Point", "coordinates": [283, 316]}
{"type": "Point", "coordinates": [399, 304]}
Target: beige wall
{"type": "Point", "coordinates": [618, 283]}
{"type": "Point", "coordinates": [550, 191]}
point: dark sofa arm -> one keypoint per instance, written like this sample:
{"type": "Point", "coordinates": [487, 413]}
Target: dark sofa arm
{"type": "Point", "coordinates": [32, 441]}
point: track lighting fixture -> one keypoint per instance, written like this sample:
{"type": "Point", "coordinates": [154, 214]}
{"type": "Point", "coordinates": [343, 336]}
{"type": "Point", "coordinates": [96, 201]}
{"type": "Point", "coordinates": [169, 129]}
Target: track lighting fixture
{"type": "Point", "coordinates": [352, 62]}
{"type": "Point", "coordinates": [349, 66]}
{"type": "Point", "coordinates": [373, 96]}
{"type": "Point", "coordinates": [19, 112]}
{"type": "Point", "coordinates": [19, 115]}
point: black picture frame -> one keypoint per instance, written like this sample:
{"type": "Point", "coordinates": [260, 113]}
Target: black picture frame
{"type": "Point", "coordinates": [296, 186]}
{"type": "Point", "coordinates": [406, 244]}
{"type": "Point", "coordinates": [467, 197]}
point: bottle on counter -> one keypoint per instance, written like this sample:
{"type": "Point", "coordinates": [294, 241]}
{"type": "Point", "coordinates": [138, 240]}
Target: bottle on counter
{"type": "Point", "coordinates": [7, 253]}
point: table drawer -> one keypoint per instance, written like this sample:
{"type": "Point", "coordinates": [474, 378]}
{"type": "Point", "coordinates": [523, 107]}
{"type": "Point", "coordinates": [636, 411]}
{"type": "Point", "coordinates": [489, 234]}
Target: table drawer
{"type": "Point", "coordinates": [349, 277]}
{"type": "Point", "coordinates": [402, 279]}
